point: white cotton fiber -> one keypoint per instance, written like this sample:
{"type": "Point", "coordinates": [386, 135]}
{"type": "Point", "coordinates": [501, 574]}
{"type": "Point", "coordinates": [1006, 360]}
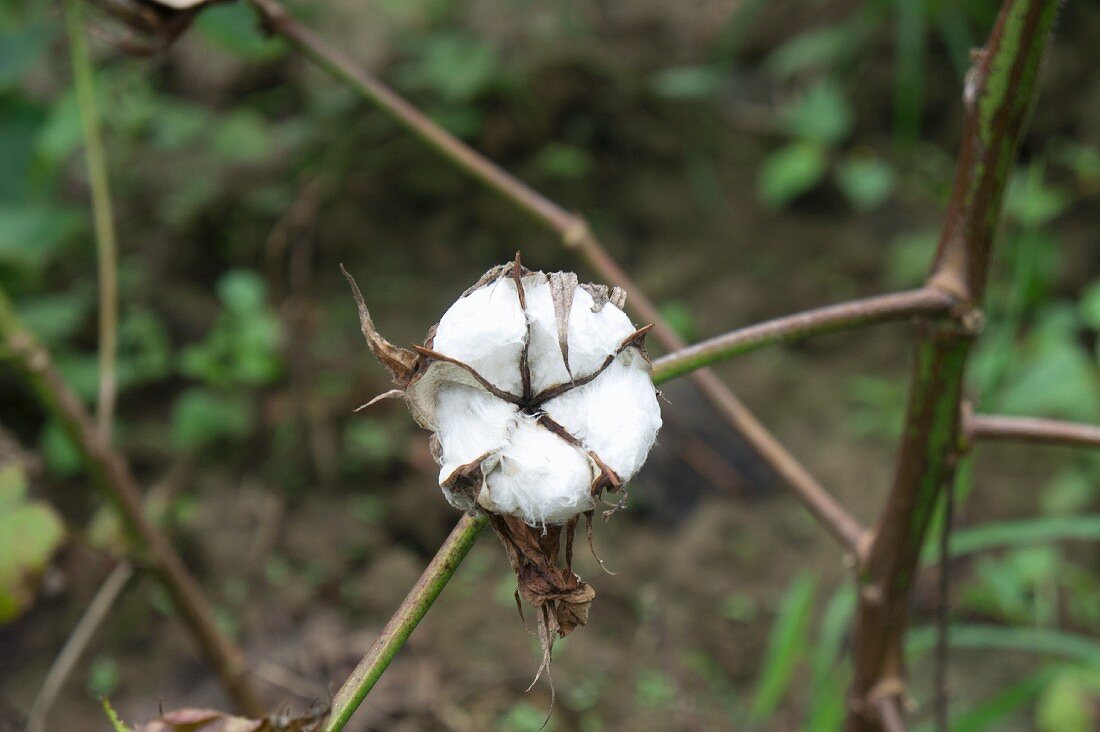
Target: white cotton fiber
{"type": "Point", "coordinates": [538, 477]}
{"type": "Point", "coordinates": [485, 330]}
{"type": "Point", "coordinates": [616, 415]}
{"type": "Point", "coordinates": [544, 351]}
{"type": "Point", "coordinates": [472, 423]}
{"type": "Point", "coordinates": [593, 336]}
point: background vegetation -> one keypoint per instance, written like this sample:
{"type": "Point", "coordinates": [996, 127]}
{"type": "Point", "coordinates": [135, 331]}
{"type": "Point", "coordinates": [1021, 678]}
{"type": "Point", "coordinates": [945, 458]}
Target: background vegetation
{"type": "Point", "coordinates": [742, 160]}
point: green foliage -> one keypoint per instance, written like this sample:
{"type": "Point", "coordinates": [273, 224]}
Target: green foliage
{"type": "Point", "coordinates": [103, 676]}
{"type": "Point", "coordinates": [687, 82]}
{"type": "Point", "coordinates": [568, 162]}
{"type": "Point", "coordinates": [866, 181]}
{"type": "Point", "coordinates": [1071, 702]}
{"type": "Point", "coordinates": [30, 532]}
{"type": "Point", "coordinates": [241, 348]}
{"type": "Point", "coordinates": [790, 172]}
{"type": "Point", "coordinates": [786, 647]}
{"type": "Point", "coordinates": [202, 417]}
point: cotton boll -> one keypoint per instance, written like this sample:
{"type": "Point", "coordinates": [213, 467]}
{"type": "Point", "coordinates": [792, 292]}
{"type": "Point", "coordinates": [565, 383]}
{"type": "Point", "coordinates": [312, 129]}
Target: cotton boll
{"type": "Point", "coordinates": [486, 330]}
{"type": "Point", "coordinates": [616, 415]}
{"type": "Point", "coordinates": [472, 423]}
{"type": "Point", "coordinates": [538, 477]}
{"type": "Point", "coordinates": [593, 336]}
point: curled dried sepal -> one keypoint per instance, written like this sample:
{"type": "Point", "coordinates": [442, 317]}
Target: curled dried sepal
{"type": "Point", "coordinates": [400, 362]}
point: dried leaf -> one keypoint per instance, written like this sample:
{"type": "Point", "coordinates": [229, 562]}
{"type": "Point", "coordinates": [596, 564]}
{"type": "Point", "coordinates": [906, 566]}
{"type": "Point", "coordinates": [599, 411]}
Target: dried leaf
{"type": "Point", "coordinates": [211, 720]}
{"type": "Point", "coordinates": [400, 362]}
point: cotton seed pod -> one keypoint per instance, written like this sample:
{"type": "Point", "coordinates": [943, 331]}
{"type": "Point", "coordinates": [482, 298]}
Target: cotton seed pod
{"type": "Point", "coordinates": [538, 394]}
{"type": "Point", "coordinates": [537, 391]}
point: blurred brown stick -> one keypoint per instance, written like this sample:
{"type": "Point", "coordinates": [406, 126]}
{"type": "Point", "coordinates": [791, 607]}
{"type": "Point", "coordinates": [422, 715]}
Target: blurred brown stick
{"type": "Point", "coordinates": [575, 234]}
{"type": "Point", "coordinates": [989, 427]}
{"type": "Point", "coordinates": [111, 473]}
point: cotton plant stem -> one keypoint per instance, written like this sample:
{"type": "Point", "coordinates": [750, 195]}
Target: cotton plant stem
{"type": "Point", "coordinates": [999, 95]}
{"type": "Point", "coordinates": [925, 301]}
{"type": "Point", "coordinates": [574, 233]}
{"type": "Point", "coordinates": [405, 620]}
{"type": "Point", "coordinates": [102, 214]}
{"type": "Point", "coordinates": [112, 475]}
{"type": "Point", "coordinates": [77, 642]}
{"type": "Point", "coordinates": [995, 428]}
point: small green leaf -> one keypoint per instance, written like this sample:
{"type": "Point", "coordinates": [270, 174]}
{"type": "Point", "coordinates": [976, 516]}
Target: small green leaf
{"type": "Point", "coordinates": [866, 181]}
{"type": "Point", "coordinates": [202, 417]}
{"type": "Point", "coordinates": [790, 172]}
{"type": "Point", "coordinates": [822, 114]}
{"type": "Point", "coordinates": [687, 82]}
{"type": "Point", "coordinates": [1090, 305]}
{"type": "Point", "coordinates": [30, 532]}
{"type": "Point", "coordinates": [787, 646]}
{"type": "Point", "coordinates": [233, 28]}
{"type": "Point", "coordinates": [102, 676]}
{"type": "Point", "coordinates": [559, 160]}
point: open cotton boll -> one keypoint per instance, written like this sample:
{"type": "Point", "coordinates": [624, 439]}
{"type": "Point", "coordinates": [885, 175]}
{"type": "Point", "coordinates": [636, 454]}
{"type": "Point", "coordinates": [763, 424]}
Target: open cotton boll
{"type": "Point", "coordinates": [538, 477]}
{"type": "Point", "coordinates": [616, 415]}
{"type": "Point", "coordinates": [472, 423]}
{"type": "Point", "coordinates": [486, 330]}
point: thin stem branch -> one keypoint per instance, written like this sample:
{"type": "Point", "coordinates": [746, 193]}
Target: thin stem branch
{"type": "Point", "coordinates": [77, 642]}
{"type": "Point", "coordinates": [102, 214]}
{"type": "Point", "coordinates": [404, 620]}
{"type": "Point", "coordinates": [111, 473]}
{"type": "Point", "coordinates": [999, 94]}
{"type": "Point", "coordinates": [574, 233]}
{"type": "Point", "coordinates": [925, 301]}
{"type": "Point", "coordinates": [989, 427]}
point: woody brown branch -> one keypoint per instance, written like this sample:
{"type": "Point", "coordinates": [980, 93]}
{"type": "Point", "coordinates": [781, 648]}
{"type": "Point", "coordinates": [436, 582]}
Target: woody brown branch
{"type": "Point", "coordinates": [989, 427]}
{"type": "Point", "coordinates": [112, 474]}
{"type": "Point", "coordinates": [574, 233]}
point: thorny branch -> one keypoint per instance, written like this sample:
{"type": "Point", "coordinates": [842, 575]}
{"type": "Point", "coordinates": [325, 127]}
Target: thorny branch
{"type": "Point", "coordinates": [575, 234]}
{"type": "Point", "coordinates": [999, 94]}
{"type": "Point", "coordinates": [112, 474]}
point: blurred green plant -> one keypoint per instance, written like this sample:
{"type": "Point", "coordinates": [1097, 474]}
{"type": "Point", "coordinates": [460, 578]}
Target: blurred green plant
{"type": "Point", "coordinates": [30, 533]}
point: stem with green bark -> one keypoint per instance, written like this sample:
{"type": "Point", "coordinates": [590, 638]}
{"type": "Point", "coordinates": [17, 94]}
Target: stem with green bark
{"type": "Point", "coordinates": [999, 94]}
{"type": "Point", "coordinates": [102, 215]}
{"type": "Point", "coordinates": [404, 621]}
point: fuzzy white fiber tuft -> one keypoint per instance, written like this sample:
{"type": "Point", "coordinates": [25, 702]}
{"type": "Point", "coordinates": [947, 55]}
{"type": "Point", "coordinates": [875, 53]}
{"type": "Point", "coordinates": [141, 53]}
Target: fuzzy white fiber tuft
{"type": "Point", "coordinates": [527, 469]}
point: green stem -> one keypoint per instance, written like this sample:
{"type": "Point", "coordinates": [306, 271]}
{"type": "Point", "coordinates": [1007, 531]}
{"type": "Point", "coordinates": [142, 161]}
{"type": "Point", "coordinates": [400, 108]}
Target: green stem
{"type": "Point", "coordinates": [106, 244]}
{"type": "Point", "coordinates": [405, 620]}
{"type": "Point", "coordinates": [830, 319]}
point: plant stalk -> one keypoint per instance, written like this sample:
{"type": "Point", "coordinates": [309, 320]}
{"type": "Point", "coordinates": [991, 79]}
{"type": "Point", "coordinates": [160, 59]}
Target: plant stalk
{"type": "Point", "coordinates": [989, 427]}
{"type": "Point", "coordinates": [401, 625]}
{"type": "Point", "coordinates": [998, 96]}
{"type": "Point", "coordinates": [102, 215]}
